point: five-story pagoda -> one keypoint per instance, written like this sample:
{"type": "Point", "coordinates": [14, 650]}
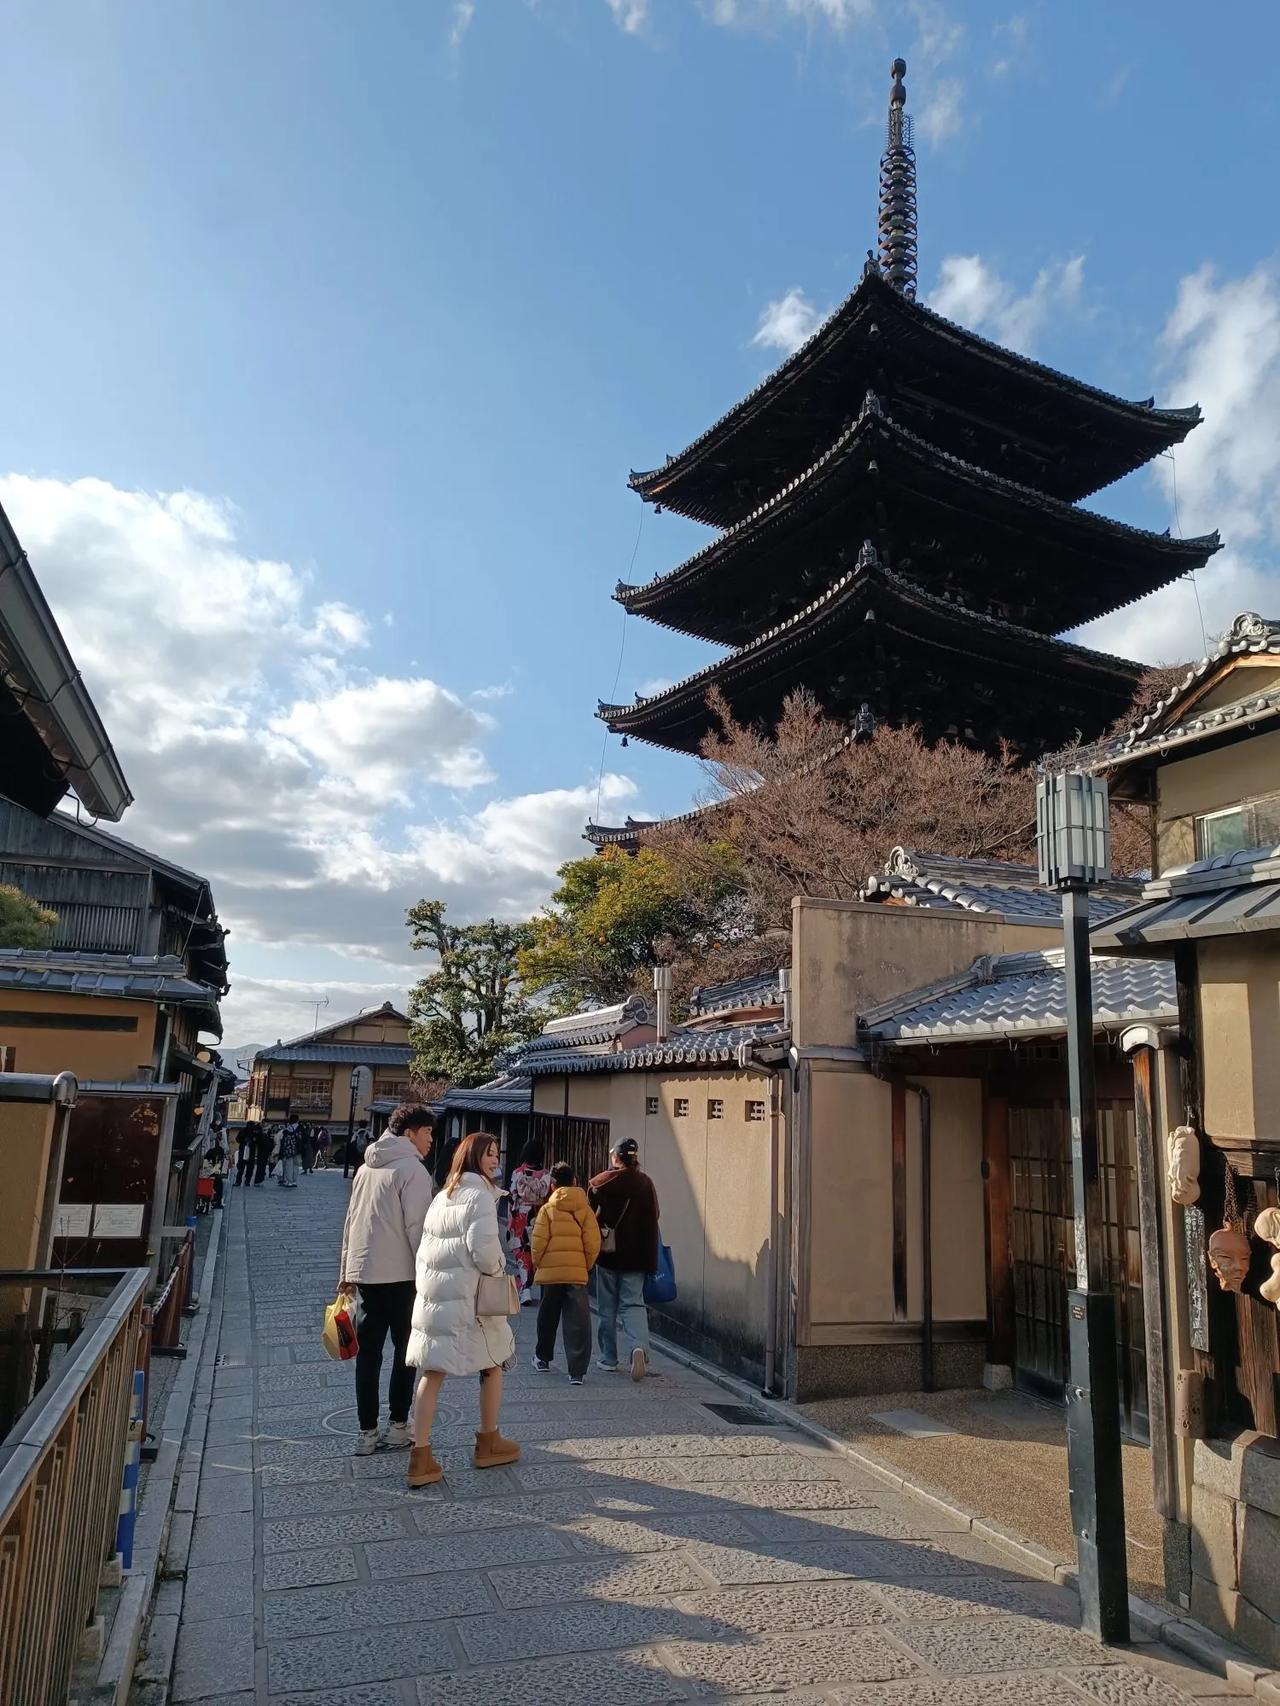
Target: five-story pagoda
{"type": "Point", "coordinates": [900, 526]}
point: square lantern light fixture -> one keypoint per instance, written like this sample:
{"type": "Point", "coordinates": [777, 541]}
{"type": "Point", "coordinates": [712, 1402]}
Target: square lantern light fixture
{"type": "Point", "coordinates": [1073, 830]}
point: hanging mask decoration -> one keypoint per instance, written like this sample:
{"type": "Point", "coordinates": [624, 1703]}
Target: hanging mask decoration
{"type": "Point", "coordinates": [1267, 1226]}
{"type": "Point", "coordinates": [1229, 1248]}
{"type": "Point", "coordinates": [1182, 1149]}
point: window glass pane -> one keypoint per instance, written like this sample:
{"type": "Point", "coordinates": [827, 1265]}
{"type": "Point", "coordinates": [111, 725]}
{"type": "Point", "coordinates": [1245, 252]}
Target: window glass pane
{"type": "Point", "coordinates": [1266, 824]}
{"type": "Point", "coordinates": [1221, 832]}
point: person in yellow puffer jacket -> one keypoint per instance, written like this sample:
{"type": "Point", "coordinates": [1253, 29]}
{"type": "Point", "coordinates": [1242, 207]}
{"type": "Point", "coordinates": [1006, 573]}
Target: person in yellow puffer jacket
{"type": "Point", "coordinates": [565, 1244]}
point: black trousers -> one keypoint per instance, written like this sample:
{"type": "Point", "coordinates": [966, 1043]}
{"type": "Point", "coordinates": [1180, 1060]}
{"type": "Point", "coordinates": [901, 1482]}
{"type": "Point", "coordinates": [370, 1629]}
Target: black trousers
{"type": "Point", "coordinates": [384, 1309]}
{"type": "Point", "coordinates": [244, 1164]}
{"type": "Point", "coordinates": [571, 1305]}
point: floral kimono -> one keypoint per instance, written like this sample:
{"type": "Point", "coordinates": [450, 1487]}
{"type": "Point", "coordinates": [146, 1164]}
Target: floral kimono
{"type": "Point", "coordinates": [530, 1188]}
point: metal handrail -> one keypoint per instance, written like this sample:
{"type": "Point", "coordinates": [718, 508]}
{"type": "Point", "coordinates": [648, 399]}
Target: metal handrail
{"type": "Point", "coordinates": [60, 1479]}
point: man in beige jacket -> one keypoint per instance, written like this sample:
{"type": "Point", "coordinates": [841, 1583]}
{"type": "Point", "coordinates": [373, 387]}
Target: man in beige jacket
{"type": "Point", "coordinates": [390, 1196]}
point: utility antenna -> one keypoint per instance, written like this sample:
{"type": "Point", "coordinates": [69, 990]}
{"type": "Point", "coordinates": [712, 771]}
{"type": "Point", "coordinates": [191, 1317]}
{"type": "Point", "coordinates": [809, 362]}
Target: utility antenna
{"type": "Point", "coordinates": [897, 223]}
{"type": "Point", "coordinates": [323, 1002]}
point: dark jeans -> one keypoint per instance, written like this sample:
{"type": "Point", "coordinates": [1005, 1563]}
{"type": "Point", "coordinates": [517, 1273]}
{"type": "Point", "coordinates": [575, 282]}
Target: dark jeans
{"type": "Point", "coordinates": [383, 1309]}
{"type": "Point", "coordinates": [568, 1304]}
{"type": "Point", "coordinates": [244, 1165]}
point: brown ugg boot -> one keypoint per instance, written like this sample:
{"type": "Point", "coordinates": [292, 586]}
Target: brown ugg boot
{"type": "Point", "coordinates": [492, 1449]}
{"type": "Point", "coordinates": [423, 1468]}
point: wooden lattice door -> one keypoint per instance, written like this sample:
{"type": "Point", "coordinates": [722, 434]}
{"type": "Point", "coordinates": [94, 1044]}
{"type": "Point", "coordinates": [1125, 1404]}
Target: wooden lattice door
{"type": "Point", "coordinates": [1042, 1238]}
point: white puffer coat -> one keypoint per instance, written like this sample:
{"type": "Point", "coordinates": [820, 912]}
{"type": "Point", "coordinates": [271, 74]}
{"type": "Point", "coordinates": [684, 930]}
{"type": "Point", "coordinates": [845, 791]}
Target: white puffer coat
{"type": "Point", "coordinates": [459, 1243]}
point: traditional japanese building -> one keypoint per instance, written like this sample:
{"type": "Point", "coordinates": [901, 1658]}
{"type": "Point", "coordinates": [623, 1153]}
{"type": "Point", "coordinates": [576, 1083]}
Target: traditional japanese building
{"type": "Point", "coordinates": [900, 526]}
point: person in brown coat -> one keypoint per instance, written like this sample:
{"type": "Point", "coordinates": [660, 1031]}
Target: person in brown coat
{"type": "Point", "coordinates": [627, 1207]}
{"type": "Point", "coordinates": [565, 1243]}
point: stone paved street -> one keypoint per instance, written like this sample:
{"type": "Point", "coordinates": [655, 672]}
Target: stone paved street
{"type": "Point", "coordinates": [645, 1548]}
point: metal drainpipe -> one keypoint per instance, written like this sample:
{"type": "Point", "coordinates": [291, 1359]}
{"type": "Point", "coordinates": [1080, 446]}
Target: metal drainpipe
{"type": "Point", "coordinates": [774, 1076]}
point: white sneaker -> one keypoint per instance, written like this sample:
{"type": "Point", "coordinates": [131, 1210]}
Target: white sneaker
{"type": "Point", "coordinates": [639, 1362]}
{"type": "Point", "coordinates": [367, 1442]}
{"type": "Point", "coordinates": [398, 1437]}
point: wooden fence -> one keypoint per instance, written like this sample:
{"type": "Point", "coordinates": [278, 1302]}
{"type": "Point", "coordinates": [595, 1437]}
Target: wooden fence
{"type": "Point", "coordinates": [60, 1477]}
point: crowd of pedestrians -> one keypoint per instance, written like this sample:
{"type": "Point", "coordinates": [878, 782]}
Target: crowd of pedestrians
{"type": "Point", "coordinates": [429, 1270]}
{"type": "Point", "coordinates": [292, 1146]}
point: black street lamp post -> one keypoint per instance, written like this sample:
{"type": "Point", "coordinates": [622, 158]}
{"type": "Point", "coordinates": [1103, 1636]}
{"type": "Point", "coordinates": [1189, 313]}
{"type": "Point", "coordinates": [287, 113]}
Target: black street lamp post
{"type": "Point", "coordinates": [1073, 839]}
{"type": "Point", "coordinates": [347, 1153]}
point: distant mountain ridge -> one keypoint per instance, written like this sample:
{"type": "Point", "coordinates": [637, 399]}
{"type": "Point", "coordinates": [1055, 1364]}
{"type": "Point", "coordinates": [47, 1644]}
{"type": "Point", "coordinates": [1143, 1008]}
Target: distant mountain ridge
{"type": "Point", "coordinates": [240, 1058]}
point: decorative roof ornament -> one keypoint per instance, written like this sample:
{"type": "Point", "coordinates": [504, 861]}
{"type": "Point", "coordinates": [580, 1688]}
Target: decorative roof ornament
{"type": "Point", "coordinates": [897, 222]}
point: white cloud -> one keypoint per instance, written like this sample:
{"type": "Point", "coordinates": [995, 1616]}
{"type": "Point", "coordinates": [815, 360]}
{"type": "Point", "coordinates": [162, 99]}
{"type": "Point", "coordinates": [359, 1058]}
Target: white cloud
{"type": "Point", "coordinates": [940, 114]}
{"type": "Point", "coordinates": [656, 684]}
{"type": "Point", "coordinates": [972, 292]}
{"type": "Point", "coordinates": [631, 16]}
{"type": "Point", "coordinates": [261, 756]}
{"type": "Point", "coordinates": [1221, 349]}
{"type": "Point", "coordinates": [1011, 38]}
{"type": "Point", "coordinates": [499, 690]}
{"type": "Point", "coordinates": [786, 323]}
{"type": "Point", "coordinates": [262, 1009]}
{"type": "Point", "coordinates": [836, 15]}
{"type": "Point", "coordinates": [463, 11]}
{"type": "Point", "coordinates": [382, 734]}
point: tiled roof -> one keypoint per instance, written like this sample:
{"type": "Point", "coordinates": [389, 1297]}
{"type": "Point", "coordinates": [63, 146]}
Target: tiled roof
{"type": "Point", "coordinates": [1249, 635]}
{"type": "Point", "coordinates": [367, 1016]}
{"type": "Point", "coordinates": [829, 332]}
{"type": "Point", "coordinates": [1230, 895]}
{"type": "Point", "coordinates": [508, 1094]}
{"type": "Point", "coordinates": [685, 1046]}
{"type": "Point", "coordinates": [985, 885]}
{"type": "Point", "coordinates": [135, 977]}
{"type": "Point", "coordinates": [353, 1054]}
{"type": "Point", "coordinates": [1159, 553]}
{"type": "Point", "coordinates": [597, 1027]}
{"type": "Point", "coordinates": [760, 990]}
{"type": "Point", "coordinates": [1021, 995]}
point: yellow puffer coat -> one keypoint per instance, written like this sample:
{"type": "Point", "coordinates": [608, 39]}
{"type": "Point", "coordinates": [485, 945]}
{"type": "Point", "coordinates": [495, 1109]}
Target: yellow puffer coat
{"type": "Point", "coordinates": [566, 1238]}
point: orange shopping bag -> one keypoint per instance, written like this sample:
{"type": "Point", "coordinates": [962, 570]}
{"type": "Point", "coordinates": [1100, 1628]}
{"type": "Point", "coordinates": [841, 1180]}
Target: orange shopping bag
{"type": "Point", "coordinates": [339, 1334]}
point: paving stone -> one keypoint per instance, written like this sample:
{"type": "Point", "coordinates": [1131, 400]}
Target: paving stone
{"type": "Point", "coordinates": [465, 1515]}
{"type": "Point", "coordinates": [332, 1530]}
{"type": "Point", "coordinates": [309, 1569]}
{"type": "Point", "coordinates": [795, 1606]}
{"type": "Point", "coordinates": [969, 1644]}
{"type": "Point", "coordinates": [275, 1450]}
{"type": "Point", "coordinates": [656, 1533]}
{"type": "Point", "coordinates": [1027, 1689]}
{"type": "Point", "coordinates": [235, 1406]}
{"type": "Point", "coordinates": [545, 1476]}
{"type": "Point", "coordinates": [361, 1653]}
{"type": "Point", "coordinates": [677, 1445]}
{"type": "Point", "coordinates": [222, 1539]}
{"type": "Point", "coordinates": [236, 1455]}
{"type": "Point", "coordinates": [302, 1498]}
{"type": "Point", "coordinates": [367, 1694]}
{"type": "Point", "coordinates": [800, 1522]}
{"type": "Point", "coordinates": [463, 1552]}
{"type": "Point", "coordinates": [611, 1679]}
{"type": "Point", "coordinates": [329, 1610]}
{"type": "Point", "coordinates": [823, 1560]}
{"type": "Point", "coordinates": [788, 1468]}
{"type": "Point", "coordinates": [213, 1658]}
{"type": "Point", "coordinates": [1121, 1685]}
{"type": "Point", "coordinates": [574, 1627]}
{"type": "Point", "coordinates": [752, 1667]}
{"type": "Point", "coordinates": [224, 1494]}
{"type": "Point", "coordinates": [972, 1596]}
{"type": "Point", "coordinates": [794, 1496]}
{"type": "Point", "coordinates": [645, 1576]}
{"type": "Point", "coordinates": [217, 1590]}
{"type": "Point", "coordinates": [230, 1432]}
{"type": "Point", "coordinates": [298, 1471]}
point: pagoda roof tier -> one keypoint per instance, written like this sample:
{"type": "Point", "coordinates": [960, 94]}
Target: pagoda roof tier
{"type": "Point", "coordinates": [955, 529]}
{"type": "Point", "coordinates": [963, 393]}
{"type": "Point", "coordinates": [877, 642]}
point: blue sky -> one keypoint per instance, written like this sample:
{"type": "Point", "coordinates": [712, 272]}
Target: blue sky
{"type": "Point", "coordinates": [331, 334]}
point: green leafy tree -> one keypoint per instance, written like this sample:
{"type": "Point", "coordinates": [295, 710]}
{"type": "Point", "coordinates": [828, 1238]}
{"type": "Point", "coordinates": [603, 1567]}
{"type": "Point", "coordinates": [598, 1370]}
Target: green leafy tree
{"type": "Point", "coordinates": [616, 914]}
{"type": "Point", "coordinates": [24, 923]}
{"type": "Point", "coordinates": [471, 1008]}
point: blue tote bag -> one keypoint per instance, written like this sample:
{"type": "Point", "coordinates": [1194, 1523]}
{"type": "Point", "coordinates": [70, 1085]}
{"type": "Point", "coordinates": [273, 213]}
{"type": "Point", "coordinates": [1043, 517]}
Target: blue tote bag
{"type": "Point", "coordinates": [660, 1287]}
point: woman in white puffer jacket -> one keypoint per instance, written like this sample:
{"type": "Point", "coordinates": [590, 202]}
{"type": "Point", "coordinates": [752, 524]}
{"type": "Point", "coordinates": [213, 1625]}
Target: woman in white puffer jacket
{"type": "Point", "coordinates": [460, 1242]}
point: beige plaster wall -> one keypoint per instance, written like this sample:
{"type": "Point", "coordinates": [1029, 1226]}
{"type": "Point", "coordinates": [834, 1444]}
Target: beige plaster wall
{"type": "Point", "coordinates": [847, 955]}
{"type": "Point", "coordinates": [1209, 782]}
{"type": "Point", "coordinates": [959, 1233]}
{"type": "Point", "coordinates": [107, 1055]}
{"type": "Point", "coordinates": [850, 1204]}
{"type": "Point", "coordinates": [591, 1097]}
{"type": "Point", "coordinates": [28, 1140]}
{"type": "Point", "coordinates": [548, 1095]}
{"type": "Point", "coordinates": [1240, 1033]}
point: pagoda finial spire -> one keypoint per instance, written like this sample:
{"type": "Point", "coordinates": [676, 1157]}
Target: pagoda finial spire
{"type": "Point", "coordinates": [897, 224]}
